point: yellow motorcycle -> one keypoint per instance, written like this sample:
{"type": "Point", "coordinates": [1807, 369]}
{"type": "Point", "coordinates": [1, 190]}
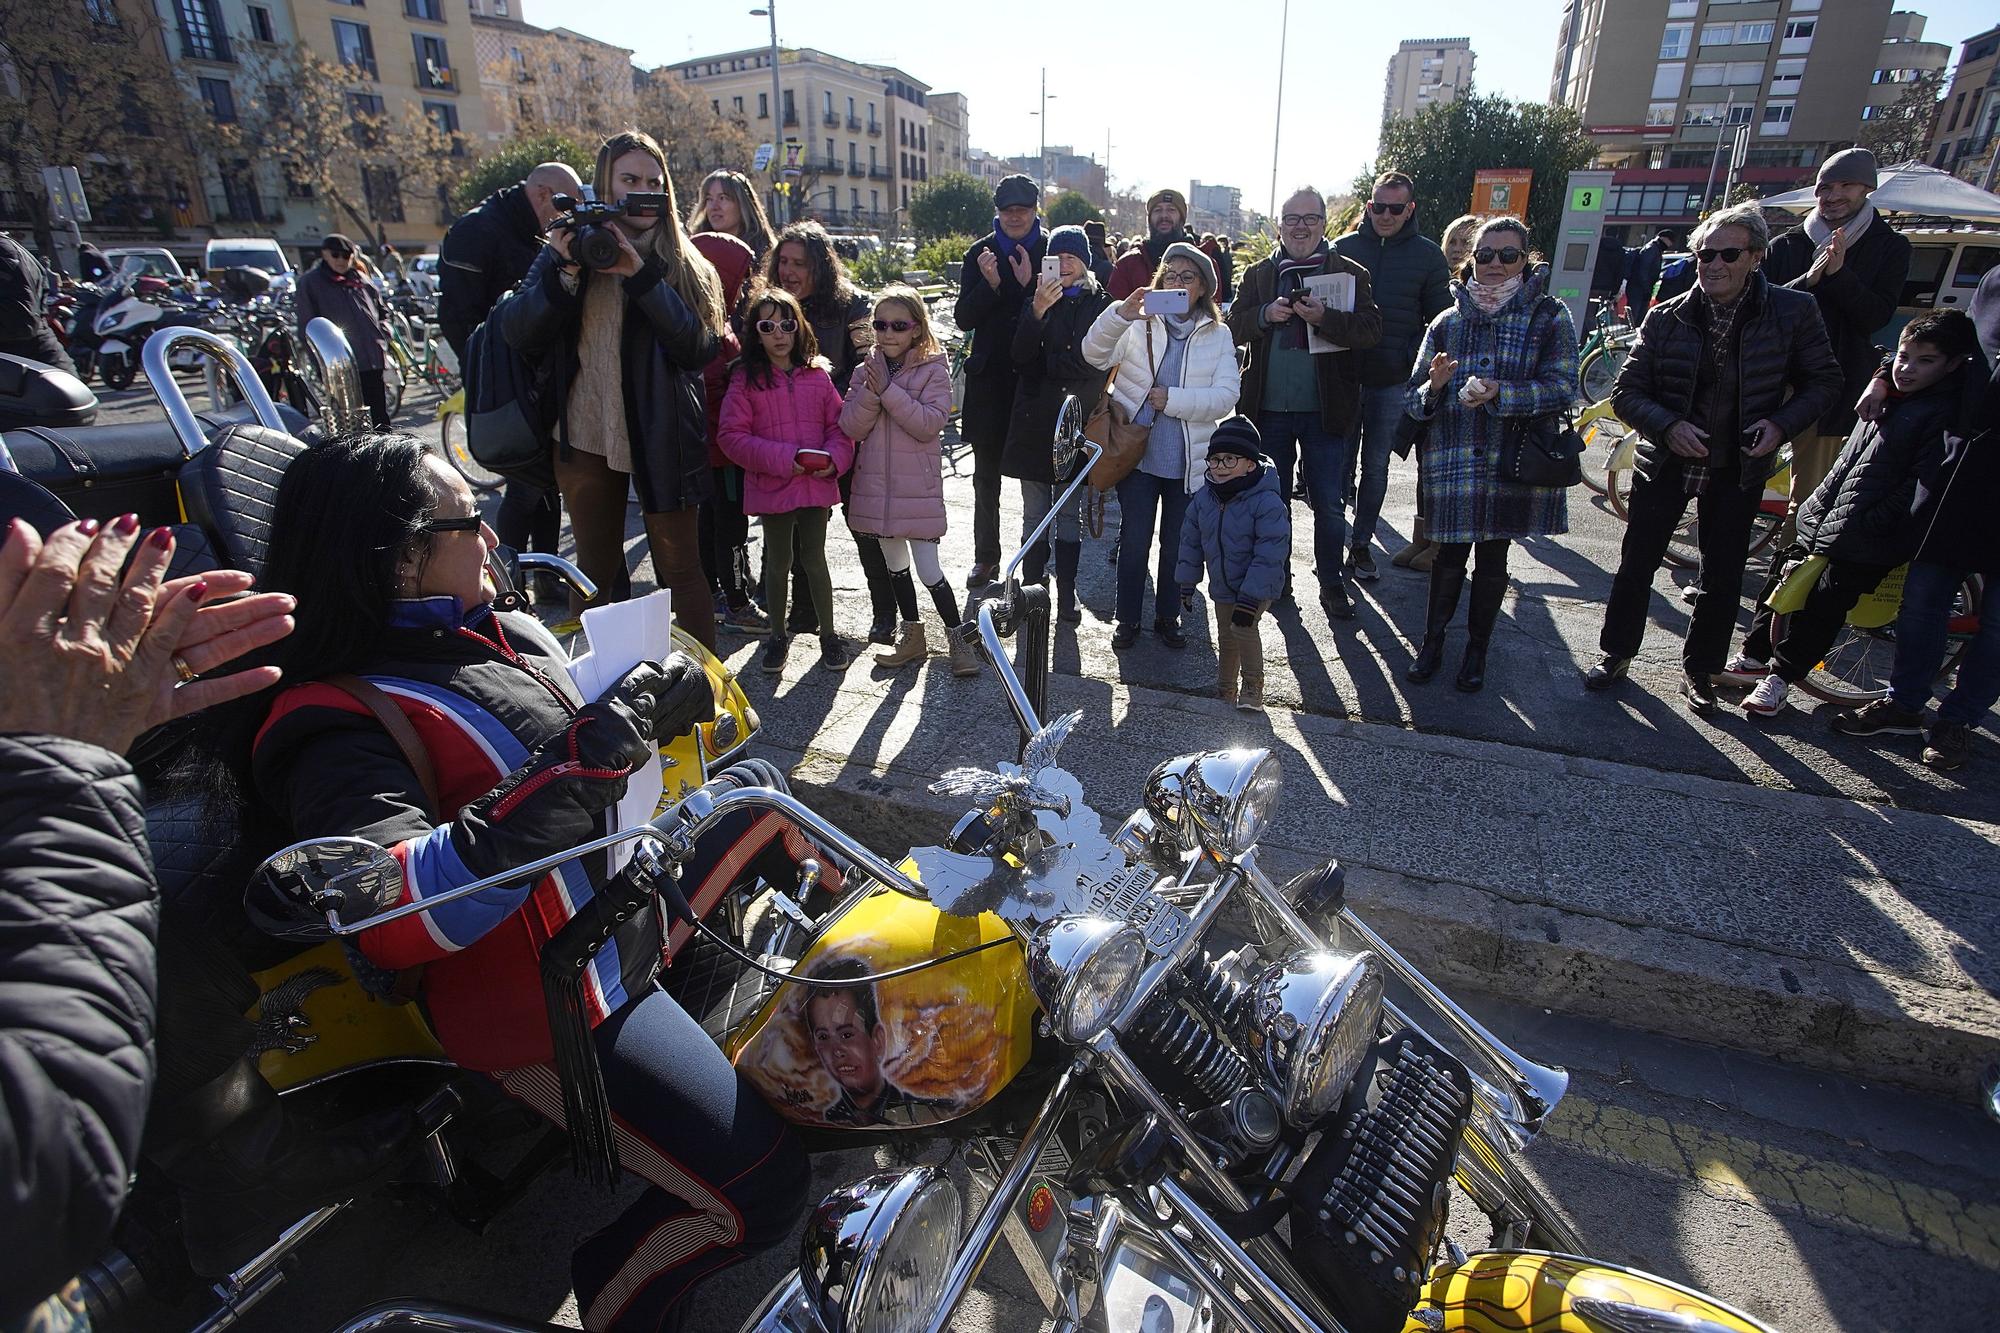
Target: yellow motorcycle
{"type": "Point", "coordinates": [1187, 1098]}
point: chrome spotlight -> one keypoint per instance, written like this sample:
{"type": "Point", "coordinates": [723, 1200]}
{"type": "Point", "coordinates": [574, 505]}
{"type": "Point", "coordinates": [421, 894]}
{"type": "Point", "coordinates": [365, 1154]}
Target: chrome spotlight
{"type": "Point", "coordinates": [1084, 969]}
{"type": "Point", "coordinates": [876, 1251]}
{"type": "Point", "coordinates": [1220, 800]}
{"type": "Point", "coordinates": [1318, 1014]}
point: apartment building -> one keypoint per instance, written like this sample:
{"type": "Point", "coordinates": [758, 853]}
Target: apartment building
{"type": "Point", "coordinates": [1061, 168]}
{"type": "Point", "coordinates": [1663, 90]}
{"type": "Point", "coordinates": [1216, 208]}
{"type": "Point", "coordinates": [864, 130]}
{"type": "Point", "coordinates": [1968, 123]}
{"type": "Point", "coordinates": [531, 76]}
{"type": "Point", "coordinates": [1905, 57]}
{"type": "Point", "coordinates": [950, 133]}
{"type": "Point", "coordinates": [1426, 71]}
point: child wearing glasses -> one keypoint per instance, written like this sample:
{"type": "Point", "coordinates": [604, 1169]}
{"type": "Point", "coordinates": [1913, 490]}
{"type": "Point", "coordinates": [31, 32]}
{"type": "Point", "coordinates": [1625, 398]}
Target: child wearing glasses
{"type": "Point", "coordinates": [1239, 529]}
{"type": "Point", "coordinates": [781, 425]}
{"type": "Point", "coordinates": [896, 408]}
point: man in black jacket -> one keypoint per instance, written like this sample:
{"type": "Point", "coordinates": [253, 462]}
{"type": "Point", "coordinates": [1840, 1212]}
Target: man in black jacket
{"type": "Point", "coordinates": [1720, 377]}
{"type": "Point", "coordinates": [486, 253]}
{"type": "Point", "coordinates": [999, 274]}
{"type": "Point", "coordinates": [1406, 270]}
{"type": "Point", "coordinates": [1855, 267]}
{"type": "Point", "coordinates": [24, 331]}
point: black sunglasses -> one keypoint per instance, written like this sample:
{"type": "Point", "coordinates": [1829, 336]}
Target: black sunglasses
{"type": "Point", "coordinates": [1728, 256]}
{"type": "Point", "coordinates": [1393, 210]}
{"type": "Point", "coordinates": [777, 326]}
{"type": "Point", "coordinates": [1508, 254]}
{"type": "Point", "coordinates": [339, 251]}
{"type": "Point", "coordinates": [894, 325]}
{"type": "Point", "coordinates": [469, 523]}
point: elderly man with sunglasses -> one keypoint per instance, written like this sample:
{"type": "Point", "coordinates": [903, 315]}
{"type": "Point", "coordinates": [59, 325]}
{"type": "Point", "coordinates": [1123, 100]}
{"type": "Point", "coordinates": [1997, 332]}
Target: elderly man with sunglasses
{"type": "Point", "coordinates": [1306, 404]}
{"type": "Point", "coordinates": [1721, 376]}
{"type": "Point", "coordinates": [1411, 285]}
{"type": "Point", "coordinates": [335, 288]}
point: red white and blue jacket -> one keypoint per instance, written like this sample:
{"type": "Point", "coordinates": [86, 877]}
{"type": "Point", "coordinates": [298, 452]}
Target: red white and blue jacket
{"type": "Point", "coordinates": [482, 691]}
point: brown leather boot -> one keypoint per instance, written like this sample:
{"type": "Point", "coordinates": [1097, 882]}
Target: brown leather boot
{"type": "Point", "coordinates": [911, 646]}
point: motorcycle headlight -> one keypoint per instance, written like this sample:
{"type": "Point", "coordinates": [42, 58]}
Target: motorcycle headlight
{"type": "Point", "coordinates": [1084, 969]}
{"type": "Point", "coordinates": [1220, 800]}
{"type": "Point", "coordinates": [876, 1251]}
{"type": "Point", "coordinates": [1318, 1014]}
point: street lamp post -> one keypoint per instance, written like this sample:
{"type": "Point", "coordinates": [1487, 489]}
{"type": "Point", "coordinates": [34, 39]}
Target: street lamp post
{"type": "Point", "coordinates": [1042, 155]}
{"type": "Point", "coordinates": [770, 10]}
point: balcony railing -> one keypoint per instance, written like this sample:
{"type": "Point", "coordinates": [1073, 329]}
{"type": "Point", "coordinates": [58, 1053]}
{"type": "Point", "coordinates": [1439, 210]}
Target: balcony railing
{"type": "Point", "coordinates": [854, 122]}
{"type": "Point", "coordinates": [246, 209]}
{"type": "Point", "coordinates": [432, 77]}
{"type": "Point", "coordinates": [875, 128]}
{"type": "Point", "coordinates": [878, 173]}
{"type": "Point", "coordinates": [856, 169]}
{"type": "Point", "coordinates": [831, 119]}
{"type": "Point", "coordinates": [206, 46]}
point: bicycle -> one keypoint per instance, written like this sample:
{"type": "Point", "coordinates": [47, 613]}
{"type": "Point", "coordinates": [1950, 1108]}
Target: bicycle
{"type": "Point", "coordinates": [456, 446]}
{"type": "Point", "coordinates": [427, 358]}
{"type": "Point", "coordinates": [1603, 353]}
{"type": "Point", "coordinates": [1621, 445]}
{"type": "Point", "coordinates": [957, 346]}
{"type": "Point", "coordinates": [1856, 669]}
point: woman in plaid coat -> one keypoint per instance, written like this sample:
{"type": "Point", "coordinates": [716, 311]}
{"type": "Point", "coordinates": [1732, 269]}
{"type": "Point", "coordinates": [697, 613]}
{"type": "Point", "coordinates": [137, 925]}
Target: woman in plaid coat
{"type": "Point", "coordinates": [1505, 350]}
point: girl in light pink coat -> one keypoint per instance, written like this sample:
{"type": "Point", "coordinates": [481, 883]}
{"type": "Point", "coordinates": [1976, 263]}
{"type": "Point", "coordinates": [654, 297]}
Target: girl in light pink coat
{"type": "Point", "coordinates": [896, 408]}
{"type": "Point", "coordinates": [781, 425]}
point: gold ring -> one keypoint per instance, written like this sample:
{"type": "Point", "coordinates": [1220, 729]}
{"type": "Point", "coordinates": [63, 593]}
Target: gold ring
{"type": "Point", "coordinates": [187, 673]}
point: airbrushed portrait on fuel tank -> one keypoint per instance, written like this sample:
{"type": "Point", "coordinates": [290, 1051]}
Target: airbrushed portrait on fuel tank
{"type": "Point", "coordinates": [912, 1050]}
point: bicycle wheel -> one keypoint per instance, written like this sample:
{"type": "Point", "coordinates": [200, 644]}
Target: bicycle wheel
{"type": "Point", "coordinates": [1597, 373]}
{"type": "Point", "coordinates": [1856, 669]}
{"type": "Point", "coordinates": [392, 387]}
{"type": "Point", "coordinates": [458, 452]}
{"type": "Point", "coordinates": [1601, 439]}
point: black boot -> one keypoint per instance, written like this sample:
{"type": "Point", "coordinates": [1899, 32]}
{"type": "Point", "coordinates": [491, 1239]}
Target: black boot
{"type": "Point", "coordinates": [246, 1169]}
{"type": "Point", "coordinates": [1069, 555]}
{"type": "Point", "coordinates": [1446, 583]}
{"type": "Point", "coordinates": [885, 614]}
{"type": "Point", "coordinates": [1488, 591]}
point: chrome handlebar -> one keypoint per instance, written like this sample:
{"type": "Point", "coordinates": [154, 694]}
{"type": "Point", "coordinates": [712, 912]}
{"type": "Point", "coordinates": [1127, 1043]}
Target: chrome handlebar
{"type": "Point", "coordinates": [333, 356]}
{"type": "Point", "coordinates": [153, 360]}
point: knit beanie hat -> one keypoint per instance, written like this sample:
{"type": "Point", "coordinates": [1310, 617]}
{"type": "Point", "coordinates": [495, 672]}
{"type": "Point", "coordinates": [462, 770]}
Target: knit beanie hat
{"type": "Point", "coordinates": [1849, 164]}
{"type": "Point", "coordinates": [1206, 266]}
{"type": "Point", "coordinates": [1070, 241]}
{"type": "Point", "coordinates": [1236, 435]}
{"type": "Point", "coordinates": [1016, 192]}
{"type": "Point", "coordinates": [1171, 196]}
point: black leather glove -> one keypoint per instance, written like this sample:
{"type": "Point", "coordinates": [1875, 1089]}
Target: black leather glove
{"type": "Point", "coordinates": [1244, 616]}
{"type": "Point", "coordinates": [683, 697]}
{"type": "Point", "coordinates": [550, 803]}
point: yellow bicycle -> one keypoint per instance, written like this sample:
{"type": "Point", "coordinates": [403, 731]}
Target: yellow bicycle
{"type": "Point", "coordinates": [1611, 440]}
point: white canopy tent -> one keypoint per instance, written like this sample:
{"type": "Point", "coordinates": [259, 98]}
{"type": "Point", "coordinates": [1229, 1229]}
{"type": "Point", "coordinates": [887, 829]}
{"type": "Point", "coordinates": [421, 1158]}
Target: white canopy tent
{"type": "Point", "coordinates": [1914, 188]}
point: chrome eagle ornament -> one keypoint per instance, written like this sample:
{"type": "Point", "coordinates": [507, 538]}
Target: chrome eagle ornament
{"type": "Point", "coordinates": [1017, 790]}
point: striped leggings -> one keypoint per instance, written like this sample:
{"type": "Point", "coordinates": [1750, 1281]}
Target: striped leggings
{"type": "Point", "coordinates": [727, 1176]}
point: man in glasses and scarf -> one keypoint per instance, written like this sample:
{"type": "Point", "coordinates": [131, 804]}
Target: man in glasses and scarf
{"type": "Point", "coordinates": [335, 288]}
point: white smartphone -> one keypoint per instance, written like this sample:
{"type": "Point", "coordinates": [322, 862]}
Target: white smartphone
{"type": "Point", "coordinates": [1167, 301]}
{"type": "Point", "coordinates": [1052, 268]}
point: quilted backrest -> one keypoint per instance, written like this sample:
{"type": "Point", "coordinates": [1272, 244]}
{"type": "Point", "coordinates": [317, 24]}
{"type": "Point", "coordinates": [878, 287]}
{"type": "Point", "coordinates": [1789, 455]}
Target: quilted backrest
{"type": "Point", "coordinates": [231, 487]}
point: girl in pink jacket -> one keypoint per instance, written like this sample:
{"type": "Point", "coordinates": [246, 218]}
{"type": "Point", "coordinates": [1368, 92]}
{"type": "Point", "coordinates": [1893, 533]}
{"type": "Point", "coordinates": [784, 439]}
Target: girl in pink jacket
{"type": "Point", "coordinates": [896, 408]}
{"type": "Point", "coordinates": [781, 425]}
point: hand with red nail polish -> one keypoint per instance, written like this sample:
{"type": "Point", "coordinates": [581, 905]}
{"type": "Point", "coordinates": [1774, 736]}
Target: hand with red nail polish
{"type": "Point", "coordinates": [98, 649]}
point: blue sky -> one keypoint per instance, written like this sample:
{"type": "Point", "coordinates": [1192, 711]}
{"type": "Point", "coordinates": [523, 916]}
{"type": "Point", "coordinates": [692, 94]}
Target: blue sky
{"type": "Point", "coordinates": [1186, 91]}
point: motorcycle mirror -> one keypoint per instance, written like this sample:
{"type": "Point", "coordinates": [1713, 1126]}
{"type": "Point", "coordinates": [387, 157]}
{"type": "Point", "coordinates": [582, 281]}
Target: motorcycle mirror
{"type": "Point", "coordinates": [310, 889]}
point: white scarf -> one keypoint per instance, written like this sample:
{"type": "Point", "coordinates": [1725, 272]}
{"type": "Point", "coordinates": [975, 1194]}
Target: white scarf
{"type": "Point", "coordinates": [1821, 233]}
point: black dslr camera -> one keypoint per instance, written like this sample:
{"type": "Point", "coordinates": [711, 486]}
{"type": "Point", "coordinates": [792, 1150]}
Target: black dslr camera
{"type": "Point", "coordinates": [588, 223]}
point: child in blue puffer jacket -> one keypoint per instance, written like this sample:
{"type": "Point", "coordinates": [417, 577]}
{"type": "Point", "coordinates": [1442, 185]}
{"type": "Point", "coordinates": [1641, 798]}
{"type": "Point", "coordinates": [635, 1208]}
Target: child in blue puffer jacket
{"type": "Point", "coordinates": [1238, 526]}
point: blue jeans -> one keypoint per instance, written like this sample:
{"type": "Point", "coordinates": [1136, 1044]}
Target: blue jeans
{"type": "Point", "coordinates": [1143, 497]}
{"type": "Point", "coordinates": [1381, 409]}
{"type": "Point", "coordinates": [1298, 437]}
{"type": "Point", "coordinates": [1921, 633]}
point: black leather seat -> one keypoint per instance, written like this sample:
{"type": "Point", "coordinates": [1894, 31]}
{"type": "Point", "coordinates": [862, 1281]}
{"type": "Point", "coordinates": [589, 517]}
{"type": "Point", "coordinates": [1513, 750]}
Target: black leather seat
{"type": "Point", "coordinates": [231, 487]}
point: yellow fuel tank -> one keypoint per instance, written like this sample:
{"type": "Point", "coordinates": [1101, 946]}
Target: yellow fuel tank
{"type": "Point", "coordinates": [1514, 1291]}
{"type": "Point", "coordinates": [913, 1050]}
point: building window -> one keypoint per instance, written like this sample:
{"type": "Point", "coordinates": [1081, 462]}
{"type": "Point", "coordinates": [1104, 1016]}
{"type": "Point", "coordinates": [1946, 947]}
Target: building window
{"type": "Point", "coordinates": [1682, 9]}
{"type": "Point", "coordinates": [366, 111]}
{"type": "Point", "coordinates": [826, 103]}
{"type": "Point", "coordinates": [354, 47]}
{"type": "Point", "coordinates": [1718, 34]}
{"type": "Point", "coordinates": [1787, 74]}
{"type": "Point", "coordinates": [1700, 113]}
{"type": "Point", "coordinates": [384, 192]}
{"type": "Point", "coordinates": [260, 24]}
{"type": "Point", "coordinates": [433, 65]}
{"type": "Point", "coordinates": [220, 99]}
{"type": "Point", "coordinates": [1707, 76]}
{"type": "Point", "coordinates": [1798, 36]}
{"type": "Point", "coordinates": [425, 9]}
{"type": "Point", "coordinates": [1660, 113]}
{"type": "Point", "coordinates": [1667, 80]}
{"type": "Point", "coordinates": [1743, 72]}
{"type": "Point", "coordinates": [1749, 33]}
{"type": "Point", "coordinates": [202, 35]}
{"type": "Point", "coordinates": [763, 106]}
{"type": "Point", "coordinates": [1739, 114]}
{"type": "Point", "coordinates": [737, 104]}
{"type": "Point", "coordinates": [1777, 118]}
{"type": "Point", "coordinates": [1799, 6]}
{"type": "Point", "coordinates": [445, 116]}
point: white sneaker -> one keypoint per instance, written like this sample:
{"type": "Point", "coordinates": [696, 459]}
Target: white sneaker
{"type": "Point", "coordinates": [1768, 699]}
{"type": "Point", "coordinates": [1745, 669]}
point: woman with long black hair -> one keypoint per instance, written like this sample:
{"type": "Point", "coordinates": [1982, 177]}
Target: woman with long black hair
{"type": "Point", "coordinates": [624, 347]}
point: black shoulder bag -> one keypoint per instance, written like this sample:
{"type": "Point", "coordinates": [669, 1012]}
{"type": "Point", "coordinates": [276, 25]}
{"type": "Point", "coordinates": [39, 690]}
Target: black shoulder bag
{"type": "Point", "coordinates": [1543, 450]}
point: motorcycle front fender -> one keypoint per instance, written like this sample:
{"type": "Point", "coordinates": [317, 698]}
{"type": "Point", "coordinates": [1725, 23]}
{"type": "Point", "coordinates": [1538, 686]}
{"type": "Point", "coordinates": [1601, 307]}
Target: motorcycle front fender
{"type": "Point", "coordinates": [785, 1310]}
{"type": "Point", "coordinates": [112, 347]}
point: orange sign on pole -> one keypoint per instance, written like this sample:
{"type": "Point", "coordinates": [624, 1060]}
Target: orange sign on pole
{"type": "Point", "coordinates": [1501, 190]}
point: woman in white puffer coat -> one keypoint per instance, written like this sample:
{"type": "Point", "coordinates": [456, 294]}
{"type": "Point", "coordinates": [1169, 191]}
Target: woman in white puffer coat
{"type": "Point", "coordinates": [1178, 374]}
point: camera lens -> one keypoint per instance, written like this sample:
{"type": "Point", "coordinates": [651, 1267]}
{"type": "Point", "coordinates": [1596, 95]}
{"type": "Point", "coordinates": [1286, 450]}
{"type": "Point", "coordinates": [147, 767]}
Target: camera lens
{"type": "Point", "coordinates": [596, 247]}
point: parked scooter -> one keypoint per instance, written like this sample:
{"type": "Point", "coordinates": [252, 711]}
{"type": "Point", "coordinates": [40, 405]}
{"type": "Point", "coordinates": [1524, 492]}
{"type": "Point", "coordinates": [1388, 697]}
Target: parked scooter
{"type": "Point", "coordinates": [132, 307]}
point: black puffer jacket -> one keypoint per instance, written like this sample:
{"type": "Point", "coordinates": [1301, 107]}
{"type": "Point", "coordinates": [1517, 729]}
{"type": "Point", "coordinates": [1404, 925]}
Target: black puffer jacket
{"type": "Point", "coordinates": [1955, 506]}
{"type": "Point", "coordinates": [1855, 303]}
{"type": "Point", "coordinates": [1049, 352]}
{"type": "Point", "coordinates": [989, 314]}
{"type": "Point", "coordinates": [663, 349]}
{"type": "Point", "coordinates": [1861, 512]}
{"type": "Point", "coordinates": [78, 918]}
{"type": "Point", "coordinates": [484, 254]}
{"type": "Point", "coordinates": [23, 329]}
{"type": "Point", "coordinates": [1410, 284]}
{"type": "Point", "coordinates": [1788, 373]}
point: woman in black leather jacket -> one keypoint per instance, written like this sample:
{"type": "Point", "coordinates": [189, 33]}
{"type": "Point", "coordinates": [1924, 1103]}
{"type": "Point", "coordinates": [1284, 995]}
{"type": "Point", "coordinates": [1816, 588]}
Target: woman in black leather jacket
{"type": "Point", "coordinates": [623, 349]}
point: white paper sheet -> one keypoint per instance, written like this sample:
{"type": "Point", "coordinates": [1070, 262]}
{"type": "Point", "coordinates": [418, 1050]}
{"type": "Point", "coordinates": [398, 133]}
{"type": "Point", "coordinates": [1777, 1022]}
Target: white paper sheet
{"type": "Point", "coordinates": [622, 635]}
{"type": "Point", "coordinates": [1336, 292]}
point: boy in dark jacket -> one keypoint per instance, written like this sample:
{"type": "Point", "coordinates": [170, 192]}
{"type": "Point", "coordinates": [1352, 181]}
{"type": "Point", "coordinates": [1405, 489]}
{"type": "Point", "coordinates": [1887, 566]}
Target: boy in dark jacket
{"type": "Point", "coordinates": [1240, 528]}
{"type": "Point", "coordinates": [1859, 517]}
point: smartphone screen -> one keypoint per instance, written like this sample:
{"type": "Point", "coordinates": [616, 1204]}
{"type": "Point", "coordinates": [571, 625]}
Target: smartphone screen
{"type": "Point", "coordinates": [1052, 268]}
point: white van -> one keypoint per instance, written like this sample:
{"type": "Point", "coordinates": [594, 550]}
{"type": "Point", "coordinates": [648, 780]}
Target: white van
{"type": "Point", "coordinates": [1946, 264]}
{"type": "Point", "coordinates": [247, 252]}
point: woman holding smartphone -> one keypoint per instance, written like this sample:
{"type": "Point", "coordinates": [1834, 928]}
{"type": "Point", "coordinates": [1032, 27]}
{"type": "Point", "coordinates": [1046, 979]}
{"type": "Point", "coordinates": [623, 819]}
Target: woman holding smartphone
{"type": "Point", "coordinates": [1177, 374]}
{"type": "Point", "coordinates": [1048, 348]}
{"type": "Point", "coordinates": [626, 346]}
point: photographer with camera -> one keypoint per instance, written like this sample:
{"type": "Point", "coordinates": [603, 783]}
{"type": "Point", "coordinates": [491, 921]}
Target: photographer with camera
{"type": "Point", "coordinates": [622, 313]}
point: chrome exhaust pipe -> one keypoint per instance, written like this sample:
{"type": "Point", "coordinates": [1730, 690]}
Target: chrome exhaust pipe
{"type": "Point", "coordinates": [332, 357]}
{"type": "Point", "coordinates": [221, 352]}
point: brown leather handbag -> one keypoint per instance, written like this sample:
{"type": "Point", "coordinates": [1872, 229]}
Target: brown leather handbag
{"type": "Point", "coordinates": [1124, 444]}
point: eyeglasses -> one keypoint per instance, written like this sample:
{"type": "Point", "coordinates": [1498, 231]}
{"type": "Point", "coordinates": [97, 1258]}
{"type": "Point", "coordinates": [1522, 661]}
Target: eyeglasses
{"type": "Point", "coordinates": [339, 252]}
{"type": "Point", "coordinates": [1181, 275]}
{"type": "Point", "coordinates": [469, 523]}
{"type": "Point", "coordinates": [1304, 219]}
{"type": "Point", "coordinates": [777, 326]}
{"type": "Point", "coordinates": [1508, 254]}
{"type": "Point", "coordinates": [892, 325]}
{"type": "Point", "coordinates": [1728, 256]}
{"type": "Point", "coordinates": [1378, 208]}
